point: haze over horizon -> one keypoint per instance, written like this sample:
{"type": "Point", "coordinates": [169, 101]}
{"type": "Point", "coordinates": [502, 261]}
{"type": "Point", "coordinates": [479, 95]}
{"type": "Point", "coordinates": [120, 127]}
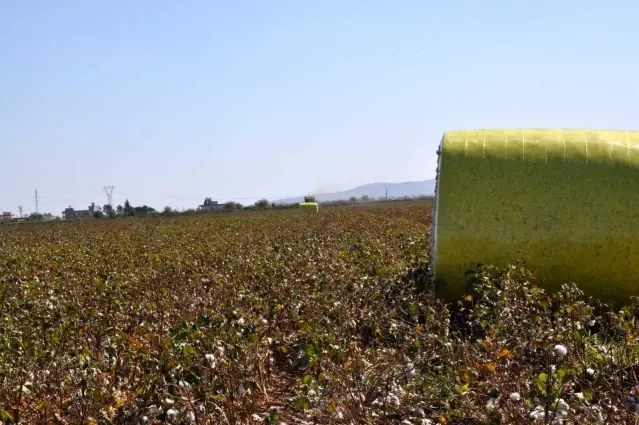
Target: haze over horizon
{"type": "Point", "coordinates": [173, 102]}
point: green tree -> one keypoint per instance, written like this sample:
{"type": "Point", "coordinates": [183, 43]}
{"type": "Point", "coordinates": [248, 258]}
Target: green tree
{"type": "Point", "coordinates": [208, 202]}
{"type": "Point", "coordinates": [128, 209]}
{"type": "Point", "coordinates": [262, 204]}
{"type": "Point", "coordinates": [98, 213]}
{"type": "Point", "coordinates": [143, 210]}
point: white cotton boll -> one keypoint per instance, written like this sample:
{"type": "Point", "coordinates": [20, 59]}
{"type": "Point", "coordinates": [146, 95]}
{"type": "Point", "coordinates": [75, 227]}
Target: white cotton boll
{"type": "Point", "coordinates": [492, 402]}
{"type": "Point", "coordinates": [538, 413]}
{"type": "Point", "coordinates": [515, 397]}
{"type": "Point", "coordinates": [171, 413]}
{"type": "Point", "coordinates": [155, 411]}
{"type": "Point", "coordinates": [210, 358]}
{"type": "Point", "coordinates": [190, 416]}
{"type": "Point", "coordinates": [394, 400]}
{"type": "Point", "coordinates": [410, 371]}
{"type": "Point", "coordinates": [184, 385]}
{"type": "Point", "coordinates": [562, 407]}
{"type": "Point", "coordinates": [590, 371]}
{"type": "Point", "coordinates": [560, 350]}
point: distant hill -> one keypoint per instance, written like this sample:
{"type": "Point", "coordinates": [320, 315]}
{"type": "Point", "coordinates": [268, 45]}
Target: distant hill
{"type": "Point", "coordinates": [395, 190]}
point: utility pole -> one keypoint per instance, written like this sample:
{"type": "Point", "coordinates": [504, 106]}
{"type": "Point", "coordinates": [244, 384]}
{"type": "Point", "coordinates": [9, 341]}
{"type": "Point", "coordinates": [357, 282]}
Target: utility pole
{"type": "Point", "coordinates": [20, 209]}
{"type": "Point", "coordinates": [109, 193]}
{"type": "Point", "coordinates": [36, 199]}
{"type": "Point", "coordinates": [386, 193]}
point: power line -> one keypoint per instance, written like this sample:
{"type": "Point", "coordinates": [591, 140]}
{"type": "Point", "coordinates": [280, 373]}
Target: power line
{"type": "Point", "coordinates": [109, 193]}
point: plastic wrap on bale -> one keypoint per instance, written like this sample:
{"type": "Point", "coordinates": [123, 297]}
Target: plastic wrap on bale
{"type": "Point", "coordinates": [311, 207]}
{"type": "Point", "coordinates": [564, 201]}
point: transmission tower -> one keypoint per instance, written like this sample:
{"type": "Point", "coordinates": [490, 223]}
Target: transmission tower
{"type": "Point", "coordinates": [20, 209]}
{"type": "Point", "coordinates": [109, 193]}
{"type": "Point", "coordinates": [36, 200]}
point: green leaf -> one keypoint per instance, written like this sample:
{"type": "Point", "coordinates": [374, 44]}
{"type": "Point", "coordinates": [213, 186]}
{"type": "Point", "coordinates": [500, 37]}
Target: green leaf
{"type": "Point", "coordinates": [303, 403]}
{"type": "Point", "coordinates": [464, 388]}
{"type": "Point", "coordinates": [541, 383]}
{"type": "Point", "coordinates": [309, 350]}
{"type": "Point", "coordinates": [561, 373]}
{"type": "Point", "coordinates": [307, 379]}
{"type": "Point", "coordinates": [42, 404]}
{"type": "Point", "coordinates": [588, 395]}
{"type": "Point", "coordinates": [5, 415]}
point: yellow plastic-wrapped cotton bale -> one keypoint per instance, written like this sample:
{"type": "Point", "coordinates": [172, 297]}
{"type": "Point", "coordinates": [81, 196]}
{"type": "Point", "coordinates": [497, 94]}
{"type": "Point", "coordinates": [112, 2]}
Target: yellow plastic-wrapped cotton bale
{"type": "Point", "coordinates": [311, 207]}
{"type": "Point", "coordinates": [565, 201]}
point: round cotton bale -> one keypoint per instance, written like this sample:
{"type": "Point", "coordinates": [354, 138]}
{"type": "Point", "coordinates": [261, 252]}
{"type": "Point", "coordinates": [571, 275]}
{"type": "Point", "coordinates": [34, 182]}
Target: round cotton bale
{"type": "Point", "coordinates": [564, 201]}
{"type": "Point", "coordinates": [311, 207]}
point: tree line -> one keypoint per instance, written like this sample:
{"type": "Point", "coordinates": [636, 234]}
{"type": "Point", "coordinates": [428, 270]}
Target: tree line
{"type": "Point", "coordinates": [128, 210]}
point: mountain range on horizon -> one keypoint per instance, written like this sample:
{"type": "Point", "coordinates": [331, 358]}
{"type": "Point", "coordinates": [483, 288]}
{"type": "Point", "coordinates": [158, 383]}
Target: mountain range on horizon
{"type": "Point", "coordinates": [376, 190]}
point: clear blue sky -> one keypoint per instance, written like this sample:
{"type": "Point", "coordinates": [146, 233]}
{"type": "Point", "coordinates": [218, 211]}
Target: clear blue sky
{"type": "Point", "coordinates": [172, 101]}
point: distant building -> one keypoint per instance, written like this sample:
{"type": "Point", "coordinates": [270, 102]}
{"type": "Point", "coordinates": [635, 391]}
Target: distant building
{"type": "Point", "coordinates": [70, 213]}
{"type": "Point", "coordinates": [6, 217]}
{"type": "Point", "coordinates": [213, 206]}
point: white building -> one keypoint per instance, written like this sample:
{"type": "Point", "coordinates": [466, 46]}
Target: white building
{"type": "Point", "coordinates": [6, 216]}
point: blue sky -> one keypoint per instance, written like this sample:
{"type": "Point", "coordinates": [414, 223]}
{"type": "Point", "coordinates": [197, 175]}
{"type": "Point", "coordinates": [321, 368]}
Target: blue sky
{"type": "Point", "coordinates": [172, 101]}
